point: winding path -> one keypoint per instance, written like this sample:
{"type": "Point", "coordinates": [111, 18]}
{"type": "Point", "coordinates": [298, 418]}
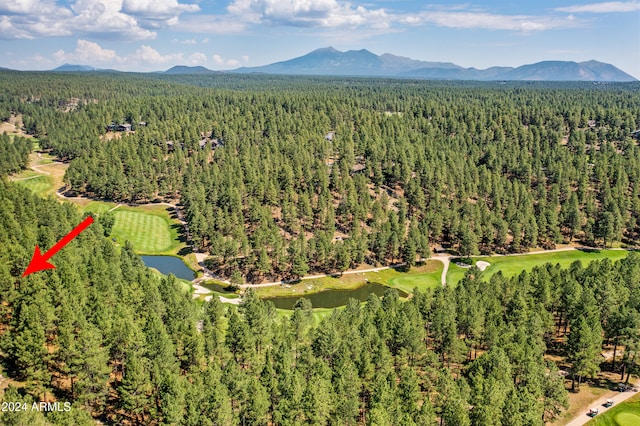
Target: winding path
{"type": "Point", "coordinates": [37, 168]}
{"type": "Point", "coordinates": [199, 290]}
{"type": "Point", "coordinates": [27, 178]}
{"type": "Point", "coordinates": [445, 258]}
{"type": "Point", "coordinates": [209, 275]}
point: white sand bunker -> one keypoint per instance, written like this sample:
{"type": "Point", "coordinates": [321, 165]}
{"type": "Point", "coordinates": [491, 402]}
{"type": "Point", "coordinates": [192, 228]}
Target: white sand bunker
{"type": "Point", "coordinates": [482, 265]}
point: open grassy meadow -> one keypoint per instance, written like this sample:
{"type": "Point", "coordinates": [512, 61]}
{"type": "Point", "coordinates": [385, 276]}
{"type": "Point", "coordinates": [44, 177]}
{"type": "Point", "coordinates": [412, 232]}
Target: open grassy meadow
{"type": "Point", "coordinates": [625, 414]}
{"type": "Point", "coordinates": [513, 265]}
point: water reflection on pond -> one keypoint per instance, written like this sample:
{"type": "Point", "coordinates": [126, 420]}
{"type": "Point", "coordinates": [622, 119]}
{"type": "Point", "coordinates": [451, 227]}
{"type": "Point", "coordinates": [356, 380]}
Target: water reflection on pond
{"type": "Point", "coordinates": [333, 298]}
{"type": "Point", "coordinates": [169, 265]}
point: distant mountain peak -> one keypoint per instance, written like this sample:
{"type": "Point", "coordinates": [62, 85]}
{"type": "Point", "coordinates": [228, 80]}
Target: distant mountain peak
{"type": "Point", "coordinates": [325, 49]}
{"type": "Point", "coordinates": [75, 68]}
{"type": "Point", "coordinates": [329, 61]}
{"type": "Point", "coordinates": [185, 69]}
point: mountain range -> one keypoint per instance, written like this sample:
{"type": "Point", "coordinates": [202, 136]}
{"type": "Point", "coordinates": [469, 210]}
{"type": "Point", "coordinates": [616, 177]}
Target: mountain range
{"type": "Point", "coordinates": [331, 62]}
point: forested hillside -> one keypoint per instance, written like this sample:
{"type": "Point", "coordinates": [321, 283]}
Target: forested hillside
{"type": "Point", "coordinates": [281, 177]}
{"type": "Point", "coordinates": [388, 168]}
{"type": "Point", "coordinates": [15, 154]}
{"type": "Point", "coordinates": [120, 344]}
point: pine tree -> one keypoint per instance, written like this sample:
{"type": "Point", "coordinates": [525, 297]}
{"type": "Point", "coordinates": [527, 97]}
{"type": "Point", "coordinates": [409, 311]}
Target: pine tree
{"type": "Point", "coordinates": [583, 346]}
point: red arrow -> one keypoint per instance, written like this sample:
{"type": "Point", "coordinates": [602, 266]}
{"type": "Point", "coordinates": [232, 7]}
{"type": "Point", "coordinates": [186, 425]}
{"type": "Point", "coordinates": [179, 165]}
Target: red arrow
{"type": "Point", "coordinates": [39, 261]}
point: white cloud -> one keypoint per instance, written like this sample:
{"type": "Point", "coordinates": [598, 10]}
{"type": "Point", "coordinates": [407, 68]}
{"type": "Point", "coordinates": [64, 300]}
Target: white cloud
{"type": "Point", "coordinates": [125, 19]}
{"type": "Point", "coordinates": [24, 7]}
{"type": "Point", "coordinates": [606, 7]}
{"type": "Point", "coordinates": [18, 6]}
{"type": "Point", "coordinates": [89, 53]}
{"type": "Point", "coordinates": [245, 58]}
{"type": "Point", "coordinates": [28, 19]}
{"type": "Point", "coordinates": [197, 58]}
{"type": "Point", "coordinates": [9, 31]}
{"type": "Point", "coordinates": [105, 17]}
{"type": "Point", "coordinates": [307, 13]}
{"type": "Point", "coordinates": [340, 14]}
{"type": "Point", "coordinates": [157, 8]}
{"type": "Point", "coordinates": [218, 60]}
{"type": "Point", "coordinates": [156, 14]}
{"type": "Point", "coordinates": [147, 55]}
{"type": "Point", "coordinates": [482, 20]}
{"type": "Point", "coordinates": [211, 24]}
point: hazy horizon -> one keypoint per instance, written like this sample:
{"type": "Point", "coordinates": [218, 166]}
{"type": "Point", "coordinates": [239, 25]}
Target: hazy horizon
{"type": "Point", "coordinates": [135, 35]}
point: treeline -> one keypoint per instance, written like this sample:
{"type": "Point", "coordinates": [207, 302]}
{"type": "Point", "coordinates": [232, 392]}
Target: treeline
{"type": "Point", "coordinates": [125, 346]}
{"type": "Point", "coordinates": [319, 174]}
{"type": "Point", "coordinates": [14, 154]}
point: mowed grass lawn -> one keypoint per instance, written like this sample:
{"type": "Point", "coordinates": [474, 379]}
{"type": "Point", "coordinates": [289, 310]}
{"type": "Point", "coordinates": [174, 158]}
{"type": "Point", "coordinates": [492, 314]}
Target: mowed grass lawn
{"type": "Point", "coordinates": [151, 229]}
{"type": "Point", "coordinates": [40, 184]}
{"type": "Point", "coordinates": [96, 207]}
{"type": "Point", "coordinates": [422, 277]}
{"type": "Point", "coordinates": [625, 414]}
{"type": "Point", "coordinates": [513, 265]}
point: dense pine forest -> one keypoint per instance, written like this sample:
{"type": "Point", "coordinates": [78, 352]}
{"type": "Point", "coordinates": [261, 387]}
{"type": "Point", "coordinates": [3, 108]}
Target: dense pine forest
{"type": "Point", "coordinates": [15, 154]}
{"type": "Point", "coordinates": [124, 346]}
{"type": "Point", "coordinates": [280, 177]}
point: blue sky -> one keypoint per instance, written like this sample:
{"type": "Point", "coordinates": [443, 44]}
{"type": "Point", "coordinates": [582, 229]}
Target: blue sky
{"type": "Point", "coordinates": [149, 35]}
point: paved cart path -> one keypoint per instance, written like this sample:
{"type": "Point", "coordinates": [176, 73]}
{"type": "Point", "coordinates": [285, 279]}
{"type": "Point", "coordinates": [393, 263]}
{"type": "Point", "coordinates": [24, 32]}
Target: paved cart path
{"type": "Point", "coordinates": [617, 397]}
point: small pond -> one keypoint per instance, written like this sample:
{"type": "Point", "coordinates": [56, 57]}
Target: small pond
{"type": "Point", "coordinates": [169, 265]}
{"type": "Point", "coordinates": [332, 298]}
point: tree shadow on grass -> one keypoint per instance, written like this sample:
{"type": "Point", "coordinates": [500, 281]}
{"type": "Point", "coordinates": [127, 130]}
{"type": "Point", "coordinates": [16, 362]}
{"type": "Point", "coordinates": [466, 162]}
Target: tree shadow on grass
{"type": "Point", "coordinates": [588, 249]}
{"type": "Point", "coordinates": [182, 236]}
{"type": "Point", "coordinates": [172, 213]}
{"type": "Point", "coordinates": [185, 251]}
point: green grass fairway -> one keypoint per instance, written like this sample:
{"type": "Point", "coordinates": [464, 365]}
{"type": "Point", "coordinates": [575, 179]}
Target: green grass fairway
{"type": "Point", "coordinates": [97, 207]}
{"type": "Point", "coordinates": [625, 414]}
{"type": "Point", "coordinates": [150, 229]}
{"type": "Point", "coordinates": [25, 174]}
{"type": "Point", "coordinates": [513, 265]}
{"type": "Point", "coordinates": [422, 278]}
{"type": "Point", "coordinates": [41, 185]}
